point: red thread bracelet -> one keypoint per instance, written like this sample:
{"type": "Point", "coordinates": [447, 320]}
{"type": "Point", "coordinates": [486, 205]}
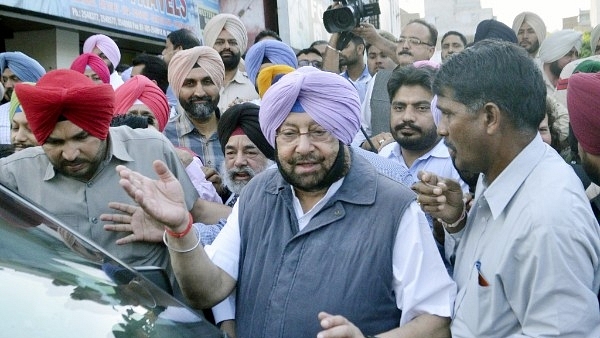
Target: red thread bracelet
{"type": "Point", "coordinates": [184, 232]}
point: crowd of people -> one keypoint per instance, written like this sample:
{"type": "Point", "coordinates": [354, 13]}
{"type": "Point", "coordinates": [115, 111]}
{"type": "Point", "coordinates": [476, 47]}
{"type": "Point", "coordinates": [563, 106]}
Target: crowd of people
{"type": "Point", "coordinates": [353, 188]}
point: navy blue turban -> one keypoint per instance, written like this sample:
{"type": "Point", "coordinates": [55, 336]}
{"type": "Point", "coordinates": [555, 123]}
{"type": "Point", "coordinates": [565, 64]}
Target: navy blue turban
{"type": "Point", "coordinates": [492, 29]}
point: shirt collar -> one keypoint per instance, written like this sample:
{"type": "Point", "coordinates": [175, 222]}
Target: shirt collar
{"type": "Point", "coordinates": [115, 148]}
{"type": "Point", "coordinates": [440, 151]}
{"type": "Point", "coordinates": [505, 186]}
{"type": "Point", "coordinates": [240, 77]}
{"type": "Point", "coordinates": [364, 75]}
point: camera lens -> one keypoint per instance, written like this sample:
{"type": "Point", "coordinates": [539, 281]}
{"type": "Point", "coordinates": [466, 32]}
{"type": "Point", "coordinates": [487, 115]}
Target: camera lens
{"type": "Point", "coordinates": [340, 19]}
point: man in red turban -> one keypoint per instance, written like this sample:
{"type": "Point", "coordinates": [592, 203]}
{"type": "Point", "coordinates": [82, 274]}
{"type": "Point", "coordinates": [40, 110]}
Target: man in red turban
{"type": "Point", "coordinates": [140, 96]}
{"type": "Point", "coordinates": [582, 99]}
{"type": "Point", "coordinates": [72, 174]}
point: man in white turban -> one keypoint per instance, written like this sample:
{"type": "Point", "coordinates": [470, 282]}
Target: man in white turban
{"type": "Point", "coordinates": [227, 34]}
{"type": "Point", "coordinates": [530, 30]}
{"type": "Point", "coordinates": [558, 50]}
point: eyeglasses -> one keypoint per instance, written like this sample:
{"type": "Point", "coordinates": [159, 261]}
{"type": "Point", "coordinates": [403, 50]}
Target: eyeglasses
{"type": "Point", "coordinates": [315, 63]}
{"type": "Point", "coordinates": [412, 41]}
{"type": "Point", "coordinates": [292, 136]}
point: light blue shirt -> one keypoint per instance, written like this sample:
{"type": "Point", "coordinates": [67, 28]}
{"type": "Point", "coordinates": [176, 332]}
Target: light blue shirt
{"type": "Point", "coordinates": [528, 260]}
{"type": "Point", "coordinates": [437, 160]}
{"type": "Point", "coordinates": [361, 83]}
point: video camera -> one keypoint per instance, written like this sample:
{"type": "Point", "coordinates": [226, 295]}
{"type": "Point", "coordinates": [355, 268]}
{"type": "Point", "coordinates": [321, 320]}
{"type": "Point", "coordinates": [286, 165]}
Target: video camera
{"type": "Point", "coordinates": [347, 17]}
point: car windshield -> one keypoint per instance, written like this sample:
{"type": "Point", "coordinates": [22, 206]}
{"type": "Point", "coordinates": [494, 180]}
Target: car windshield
{"type": "Point", "coordinates": [50, 289]}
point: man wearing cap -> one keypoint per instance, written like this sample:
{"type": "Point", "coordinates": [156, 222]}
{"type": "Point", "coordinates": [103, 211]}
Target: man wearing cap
{"type": "Point", "coordinates": [196, 76]}
{"type": "Point", "coordinates": [531, 32]}
{"type": "Point", "coordinates": [15, 67]}
{"type": "Point", "coordinates": [247, 152]}
{"type": "Point", "coordinates": [107, 49]}
{"type": "Point", "coordinates": [77, 158]}
{"type": "Point", "coordinates": [324, 232]}
{"type": "Point", "coordinates": [227, 35]}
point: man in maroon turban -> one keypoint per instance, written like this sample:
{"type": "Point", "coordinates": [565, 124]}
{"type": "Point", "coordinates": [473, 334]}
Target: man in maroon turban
{"type": "Point", "coordinates": [72, 174]}
{"type": "Point", "coordinates": [583, 98]}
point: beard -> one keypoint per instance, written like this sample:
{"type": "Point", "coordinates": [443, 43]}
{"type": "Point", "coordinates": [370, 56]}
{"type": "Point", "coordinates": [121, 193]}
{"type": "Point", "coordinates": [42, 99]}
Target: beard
{"type": "Point", "coordinates": [236, 186]}
{"type": "Point", "coordinates": [8, 94]}
{"type": "Point", "coordinates": [348, 61]}
{"type": "Point", "coordinates": [425, 140]}
{"type": "Point", "coordinates": [533, 48]}
{"type": "Point", "coordinates": [232, 61]}
{"type": "Point", "coordinates": [316, 181]}
{"type": "Point", "coordinates": [89, 167]}
{"type": "Point", "coordinates": [555, 69]}
{"type": "Point", "coordinates": [199, 111]}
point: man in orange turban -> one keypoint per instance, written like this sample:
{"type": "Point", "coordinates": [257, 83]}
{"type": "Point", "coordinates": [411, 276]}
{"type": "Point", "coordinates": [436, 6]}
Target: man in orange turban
{"type": "Point", "coordinates": [196, 76]}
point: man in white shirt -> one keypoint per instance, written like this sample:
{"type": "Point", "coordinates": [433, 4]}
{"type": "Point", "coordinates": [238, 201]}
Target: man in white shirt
{"type": "Point", "coordinates": [323, 197]}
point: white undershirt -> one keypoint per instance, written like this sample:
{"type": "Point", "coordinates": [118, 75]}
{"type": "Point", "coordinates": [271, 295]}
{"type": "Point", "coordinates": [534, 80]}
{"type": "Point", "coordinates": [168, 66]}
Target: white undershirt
{"type": "Point", "coordinates": [421, 282]}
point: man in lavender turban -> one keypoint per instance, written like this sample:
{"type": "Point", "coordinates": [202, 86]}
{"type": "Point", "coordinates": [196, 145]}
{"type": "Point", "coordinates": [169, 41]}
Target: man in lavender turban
{"type": "Point", "coordinates": [309, 90]}
{"type": "Point", "coordinates": [322, 194]}
{"type": "Point", "coordinates": [107, 49]}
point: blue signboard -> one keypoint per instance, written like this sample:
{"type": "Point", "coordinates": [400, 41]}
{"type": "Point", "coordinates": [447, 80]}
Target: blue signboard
{"type": "Point", "coordinates": [152, 18]}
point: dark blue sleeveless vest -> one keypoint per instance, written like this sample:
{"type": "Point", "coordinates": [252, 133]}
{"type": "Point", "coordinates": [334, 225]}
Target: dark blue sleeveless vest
{"type": "Point", "coordinates": [341, 262]}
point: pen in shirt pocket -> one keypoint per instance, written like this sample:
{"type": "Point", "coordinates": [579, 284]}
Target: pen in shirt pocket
{"type": "Point", "coordinates": [480, 279]}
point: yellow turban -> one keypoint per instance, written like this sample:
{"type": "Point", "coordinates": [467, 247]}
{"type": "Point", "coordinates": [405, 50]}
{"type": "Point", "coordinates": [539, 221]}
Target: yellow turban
{"type": "Point", "coordinates": [269, 75]}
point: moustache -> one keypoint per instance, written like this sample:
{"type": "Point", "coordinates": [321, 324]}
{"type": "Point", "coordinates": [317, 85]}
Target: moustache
{"type": "Point", "coordinates": [241, 170]}
{"type": "Point", "coordinates": [75, 162]}
{"type": "Point", "coordinates": [200, 98]}
{"type": "Point", "coordinates": [405, 52]}
{"type": "Point", "coordinates": [310, 158]}
{"type": "Point", "coordinates": [405, 125]}
{"type": "Point", "coordinates": [449, 145]}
